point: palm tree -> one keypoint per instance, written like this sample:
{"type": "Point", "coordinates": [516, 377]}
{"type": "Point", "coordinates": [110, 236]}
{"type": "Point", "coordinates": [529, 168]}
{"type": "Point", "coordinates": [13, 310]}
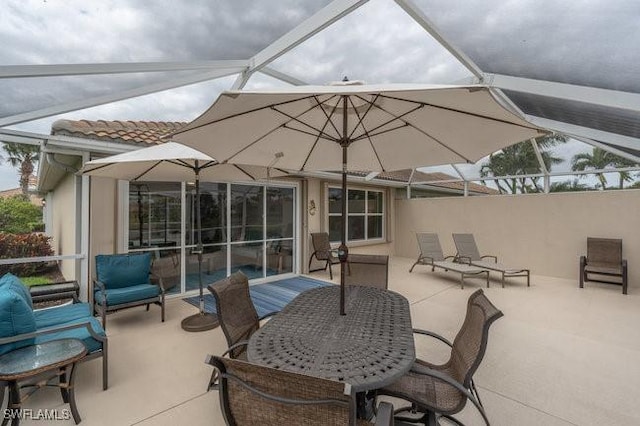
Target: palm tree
{"type": "Point", "coordinates": [521, 159]}
{"type": "Point", "coordinates": [24, 158]}
{"type": "Point", "coordinates": [600, 159]}
{"type": "Point", "coordinates": [568, 186]}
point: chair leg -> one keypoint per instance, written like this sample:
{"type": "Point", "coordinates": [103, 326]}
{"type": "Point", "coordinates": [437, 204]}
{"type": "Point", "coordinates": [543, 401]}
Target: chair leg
{"type": "Point", "coordinates": [147, 307]}
{"type": "Point", "coordinates": [581, 273]}
{"type": "Point", "coordinates": [414, 265]}
{"type": "Point", "coordinates": [624, 278]}
{"type": "Point", "coordinates": [330, 271]}
{"type": "Point", "coordinates": [503, 280]}
{"type": "Point", "coordinates": [162, 308]}
{"type": "Point", "coordinates": [462, 281]}
{"type": "Point", "coordinates": [105, 366]}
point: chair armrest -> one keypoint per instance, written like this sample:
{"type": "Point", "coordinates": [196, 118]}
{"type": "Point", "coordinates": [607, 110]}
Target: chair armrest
{"type": "Point", "coordinates": [154, 279]}
{"type": "Point", "coordinates": [495, 258]}
{"type": "Point", "coordinates": [451, 257]}
{"type": "Point", "coordinates": [451, 382]}
{"type": "Point", "coordinates": [19, 337]}
{"type": "Point", "coordinates": [427, 258]}
{"type": "Point", "coordinates": [434, 335]}
{"type": "Point", "coordinates": [100, 285]}
{"type": "Point", "coordinates": [384, 414]}
{"type": "Point", "coordinates": [234, 346]}
{"type": "Point", "coordinates": [463, 259]}
{"type": "Point", "coordinates": [265, 316]}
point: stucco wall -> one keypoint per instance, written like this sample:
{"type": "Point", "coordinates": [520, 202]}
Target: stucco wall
{"type": "Point", "coordinates": [102, 219]}
{"type": "Point", "coordinates": [544, 232]}
{"type": "Point", "coordinates": [63, 224]}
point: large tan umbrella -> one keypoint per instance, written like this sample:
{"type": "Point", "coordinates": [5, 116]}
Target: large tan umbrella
{"type": "Point", "coordinates": [172, 161]}
{"type": "Point", "coordinates": [380, 128]}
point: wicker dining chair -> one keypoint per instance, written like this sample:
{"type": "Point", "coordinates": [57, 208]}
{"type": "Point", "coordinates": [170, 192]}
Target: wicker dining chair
{"type": "Point", "coordinates": [251, 394]}
{"type": "Point", "coordinates": [323, 252]}
{"type": "Point", "coordinates": [236, 313]}
{"type": "Point", "coordinates": [443, 390]}
{"type": "Point", "coordinates": [370, 270]}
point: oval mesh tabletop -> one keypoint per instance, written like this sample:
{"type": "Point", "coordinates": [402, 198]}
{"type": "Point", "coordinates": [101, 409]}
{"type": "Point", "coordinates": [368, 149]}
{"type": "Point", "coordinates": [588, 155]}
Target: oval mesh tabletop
{"type": "Point", "coordinates": [368, 348]}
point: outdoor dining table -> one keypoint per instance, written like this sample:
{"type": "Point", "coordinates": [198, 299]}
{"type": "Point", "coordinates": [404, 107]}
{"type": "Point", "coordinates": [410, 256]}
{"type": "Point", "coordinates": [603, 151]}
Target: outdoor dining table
{"type": "Point", "coordinates": [369, 347]}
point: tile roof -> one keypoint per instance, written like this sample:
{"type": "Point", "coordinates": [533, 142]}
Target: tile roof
{"type": "Point", "coordinates": [128, 132]}
{"type": "Point", "coordinates": [418, 176]}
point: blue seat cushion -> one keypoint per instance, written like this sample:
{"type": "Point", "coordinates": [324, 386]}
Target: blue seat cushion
{"type": "Point", "coordinates": [52, 317]}
{"type": "Point", "coordinates": [12, 282]}
{"type": "Point", "coordinates": [123, 270]}
{"type": "Point", "coordinates": [16, 317]}
{"type": "Point", "coordinates": [80, 333]}
{"type": "Point", "coordinates": [118, 296]}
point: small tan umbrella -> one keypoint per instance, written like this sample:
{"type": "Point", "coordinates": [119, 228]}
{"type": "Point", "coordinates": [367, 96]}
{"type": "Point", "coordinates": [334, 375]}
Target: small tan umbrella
{"type": "Point", "coordinates": [172, 161]}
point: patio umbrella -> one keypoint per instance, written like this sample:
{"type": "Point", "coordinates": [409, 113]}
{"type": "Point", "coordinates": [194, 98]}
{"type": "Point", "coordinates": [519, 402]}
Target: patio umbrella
{"type": "Point", "coordinates": [172, 161]}
{"type": "Point", "coordinates": [380, 127]}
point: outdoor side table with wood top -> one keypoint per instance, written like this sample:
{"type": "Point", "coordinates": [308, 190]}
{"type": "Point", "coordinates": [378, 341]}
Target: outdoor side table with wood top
{"type": "Point", "coordinates": [35, 366]}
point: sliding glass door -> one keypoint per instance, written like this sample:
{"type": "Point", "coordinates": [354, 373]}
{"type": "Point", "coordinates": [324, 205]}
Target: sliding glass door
{"type": "Point", "coordinates": [245, 227]}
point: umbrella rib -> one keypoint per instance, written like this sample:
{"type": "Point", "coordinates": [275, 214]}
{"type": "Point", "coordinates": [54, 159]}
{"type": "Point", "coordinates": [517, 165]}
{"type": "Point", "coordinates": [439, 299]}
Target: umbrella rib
{"type": "Point", "coordinates": [473, 114]}
{"type": "Point", "coordinates": [292, 118]}
{"type": "Point", "coordinates": [148, 170]}
{"type": "Point", "coordinates": [315, 143]}
{"type": "Point", "coordinates": [242, 113]}
{"type": "Point", "coordinates": [101, 166]}
{"type": "Point", "coordinates": [445, 146]}
{"type": "Point", "coordinates": [328, 116]}
{"type": "Point", "coordinates": [366, 132]}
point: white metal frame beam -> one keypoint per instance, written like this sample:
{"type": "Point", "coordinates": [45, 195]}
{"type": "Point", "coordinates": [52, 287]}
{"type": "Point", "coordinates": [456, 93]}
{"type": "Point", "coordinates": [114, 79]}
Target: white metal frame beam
{"type": "Point", "coordinates": [419, 16]}
{"type": "Point", "coordinates": [570, 92]}
{"type": "Point", "coordinates": [581, 132]}
{"type": "Point", "coordinates": [118, 96]}
{"type": "Point", "coordinates": [53, 70]}
{"type": "Point", "coordinates": [326, 16]}
{"type": "Point", "coordinates": [279, 75]}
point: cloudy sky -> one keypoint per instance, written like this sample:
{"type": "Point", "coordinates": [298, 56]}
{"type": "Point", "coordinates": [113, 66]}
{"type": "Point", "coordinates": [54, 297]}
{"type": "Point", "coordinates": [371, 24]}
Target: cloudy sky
{"type": "Point", "coordinates": [377, 43]}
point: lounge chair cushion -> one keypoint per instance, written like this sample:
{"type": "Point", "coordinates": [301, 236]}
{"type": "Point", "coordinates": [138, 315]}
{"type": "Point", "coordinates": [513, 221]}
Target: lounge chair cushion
{"type": "Point", "coordinates": [457, 267]}
{"type": "Point", "coordinates": [12, 282]}
{"type": "Point", "coordinates": [16, 317]}
{"type": "Point", "coordinates": [125, 270]}
{"type": "Point", "coordinates": [119, 296]}
{"type": "Point", "coordinates": [81, 333]}
{"type": "Point", "coordinates": [51, 317]}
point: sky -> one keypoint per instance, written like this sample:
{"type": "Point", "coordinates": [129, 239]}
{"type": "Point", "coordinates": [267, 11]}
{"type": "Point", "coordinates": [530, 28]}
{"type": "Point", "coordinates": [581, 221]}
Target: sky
{"type": "Point", "coordinates": [378, 43]}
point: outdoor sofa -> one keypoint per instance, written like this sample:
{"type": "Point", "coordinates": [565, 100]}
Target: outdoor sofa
{"type": "Point", "coordinates": [21, 325]}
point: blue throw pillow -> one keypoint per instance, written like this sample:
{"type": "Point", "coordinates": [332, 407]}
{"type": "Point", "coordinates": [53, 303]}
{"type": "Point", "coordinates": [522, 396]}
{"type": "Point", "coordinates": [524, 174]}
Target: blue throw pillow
{"type": "Point", "coordinates": [16, 317]}
{"type": "Point", "coordinates": [123, 270]}
{"type": "Point", "coordinates": [10, 281]}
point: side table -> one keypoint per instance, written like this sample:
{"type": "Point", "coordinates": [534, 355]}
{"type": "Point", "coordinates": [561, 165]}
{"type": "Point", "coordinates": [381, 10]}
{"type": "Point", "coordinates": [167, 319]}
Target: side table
{"type": "Point", "coordinates": [36, 366]}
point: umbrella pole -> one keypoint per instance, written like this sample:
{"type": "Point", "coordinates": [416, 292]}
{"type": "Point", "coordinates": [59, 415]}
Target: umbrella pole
{"type": "Point", "coordinates": [343, 251]}
{"type": "Point", "coordinates": [201, 321]}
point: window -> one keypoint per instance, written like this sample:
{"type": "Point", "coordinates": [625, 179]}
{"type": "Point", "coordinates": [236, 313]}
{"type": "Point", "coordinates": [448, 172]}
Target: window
{"type": "Point", "coordinates": [365, 214]}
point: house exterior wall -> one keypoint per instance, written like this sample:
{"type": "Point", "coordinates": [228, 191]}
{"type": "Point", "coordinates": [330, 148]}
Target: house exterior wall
{"type": "Point", "coordinates": [63, 224]}
{"type": "Point", "coordinates": [546, 233]}
{"type": "Point", "coordinates": [102, 219]}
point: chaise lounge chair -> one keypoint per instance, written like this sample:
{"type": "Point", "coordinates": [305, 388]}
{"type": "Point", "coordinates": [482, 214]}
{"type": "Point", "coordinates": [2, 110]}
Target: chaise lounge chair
{"type": "Point", "coordinates": [431, 255]}
{"type": "Point", "coordinates": [468, 253]}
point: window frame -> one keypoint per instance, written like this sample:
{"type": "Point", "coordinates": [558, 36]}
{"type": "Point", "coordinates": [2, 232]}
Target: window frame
{"type": "Point", "coordinates": [366, 215]}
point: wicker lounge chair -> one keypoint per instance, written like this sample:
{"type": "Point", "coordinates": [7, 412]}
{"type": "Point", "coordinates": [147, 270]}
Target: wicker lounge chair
{"type": "Point", "coordinates": [468, 253]}
{"type": "Point", "coordinates": [251, 394]}
{"type": "Point", "coordinates": [237, 315]}
{"type": "Point", "coordinates": [444, 389]}
{"type": "Point", "coordinates": [368, 270]}
{"type": "Point", "coordinates": [604, 259]}
{"type": "Point", "coordinates": [323, 252]}
{"type": "Point", "coordinates": [431, 255]}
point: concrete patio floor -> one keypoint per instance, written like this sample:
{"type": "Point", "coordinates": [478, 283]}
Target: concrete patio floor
{"type": "Point", "coordinates": [560, 356]}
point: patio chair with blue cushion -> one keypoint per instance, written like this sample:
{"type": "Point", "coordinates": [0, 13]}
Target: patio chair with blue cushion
{"type": "Point", "coordinates": [125, 281]}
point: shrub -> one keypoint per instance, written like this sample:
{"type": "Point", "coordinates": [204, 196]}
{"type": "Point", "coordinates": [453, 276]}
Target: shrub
{"type": "Point", "coordinates": [24, 245]}
{"type": "Point", "coordinates": [18, 215]}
